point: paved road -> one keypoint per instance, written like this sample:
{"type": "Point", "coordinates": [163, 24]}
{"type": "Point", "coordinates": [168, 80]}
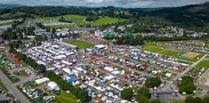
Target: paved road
{"type": "Point", "coordinates": [192, 66]}
{"type": "Point", "coordinates": [24, 79]}
{"type": "Point", "coordinates": [18, 95]}
{"type": "Point", "coordinates": [200, 78]}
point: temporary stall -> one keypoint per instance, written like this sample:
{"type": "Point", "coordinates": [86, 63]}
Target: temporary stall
{"type": "Point", "coordinates": [100, 46]}
{"type": "Point", "coordinates": [18, 59]}
{"type": "Point", "coordinates": [109, 69]}
{"type": "Point", "coordinates": [14, 56]}
{"type": "Point", "coordinates": [72, 80]}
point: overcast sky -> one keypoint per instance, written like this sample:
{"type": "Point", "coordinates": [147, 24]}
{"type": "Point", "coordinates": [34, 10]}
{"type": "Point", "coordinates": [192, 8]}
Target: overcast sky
{"type": "Point", "coordinates": [104, 3]}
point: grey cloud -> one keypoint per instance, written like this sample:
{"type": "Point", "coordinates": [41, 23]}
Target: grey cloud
{"type": "Point", "coordinates": [99, 3]}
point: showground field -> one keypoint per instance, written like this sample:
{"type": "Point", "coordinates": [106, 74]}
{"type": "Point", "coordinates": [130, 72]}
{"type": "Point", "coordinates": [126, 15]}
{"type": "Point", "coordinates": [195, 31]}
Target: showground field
{"type": "Point", "coordinates": [204, 64]}
{"type": "Point", "coordinates": [190, 54]}
{"type": "Point", "coordinates": [104, 21]}
{"type": "Point", "coordinates": [73, 18]}
{"type": "Point", "coordinates": [80, 44]}
{"type": "Point", "coordinates": [161, 48]}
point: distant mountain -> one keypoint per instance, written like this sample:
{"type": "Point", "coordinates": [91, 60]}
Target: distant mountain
{"type": "Point", "coordinates": [190, 15]}
{"type": "Point", "coordinates": [6, 6]}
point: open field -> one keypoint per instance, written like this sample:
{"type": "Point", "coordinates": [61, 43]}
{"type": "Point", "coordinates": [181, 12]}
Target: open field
{"type": "Point", "coordinates": [80, 44]}
{"type": "Point", "coordinates": [73, 18]}
{"type": "Point", "coordinates": [193, 59]}
{"type": "Point", "coordinates": [24, 73]}
{"type": "Point", "coordinates": [177, 101]}
{"type": "Point", "coordinates": [104, 21]}
{"type": "Point", "coordinates": [6, 23]}
{"type": "Point", "coordinates": [10, 58]}
{"type": "Point", "coordinates": [3, 86]}
{"type": "Point", "coordinates": [159, 47]}
{"type": "Point", "coordinates": [66, 98]}
{"type": "Point", "coordinates": [62, 26]}
{"type": "Point", "coordinates": [204, 63]}
{"type": "Point", "coordinates": [7, 15]}
{"type": "Point", "coordinates": [190, 54]}
{"type": "Point", "coordinates": [63, 97]}
{"type": "Point", "coordinates": [160, 51]}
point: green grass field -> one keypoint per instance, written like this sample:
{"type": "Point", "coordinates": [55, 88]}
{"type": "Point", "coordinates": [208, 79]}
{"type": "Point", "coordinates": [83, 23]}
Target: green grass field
{"type": "Point", "coordinates": [66, 98]}
{"type": "Point", "coordinates": [204, 63]}
{"type": "Point", "coordinates": [193, 59]}
{"type": "Point", "coordinates": [15, 73]}
{"type": "Point", "coordinates": [104, 21]}
{"type": "Point", "coordinates": [161, 48]}
{"type": "Point", "coordinates": [62, 26]}
{"type": "Point", "coordinates": [177, 101]}
{"type": "Point", "coordinates": [160, 51]}
{"type": "Point", "coordinates": [80, 44]}
{"type": "Point", "coordinates": [3, 86]}
{"type": "Point", "coordinates": [6, 15]}
{"type": "Point", "coordinates": [6, 23]}
{"type": "Point", "coordinates": [73, 18]}
{"type": "Point", "coordinates": [24, 73]}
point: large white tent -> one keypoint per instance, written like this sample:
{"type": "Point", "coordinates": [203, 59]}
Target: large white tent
{"type": "Point", "coordinates": [53, 86]}
{"type": "Point", "coordinates": [42, 80]}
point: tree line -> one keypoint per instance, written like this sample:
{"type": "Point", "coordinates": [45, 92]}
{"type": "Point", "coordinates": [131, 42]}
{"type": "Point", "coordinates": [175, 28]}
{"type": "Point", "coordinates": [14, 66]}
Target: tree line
{"type": "Point", "coordinates": [190, 99]}
{"type": "Point", "coordinates": [126, 39]}
{"type": "Point", "coordinates": [39, 68]}
{"type": "Point", "coordinates": [142, 95]}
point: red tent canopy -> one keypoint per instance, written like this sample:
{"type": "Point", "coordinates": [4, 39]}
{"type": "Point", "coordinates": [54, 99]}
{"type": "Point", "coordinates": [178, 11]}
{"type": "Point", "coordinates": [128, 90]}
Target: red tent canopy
{"type": "Point", "coordinates": [126, 77]}
{"type": "Point", "coordinates": [98, 99]}
{"type": "Point", "coordinates": [14, 56]}
{"type": "Point", "coordinates": [101, 61]}
{"type": "Point", "coordinates": [18, 59]}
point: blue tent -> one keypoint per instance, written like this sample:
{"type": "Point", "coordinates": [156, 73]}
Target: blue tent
{"type": "Point", "coordinates": [84, 68]}
{"type": "Point", "coordinates": [72, 80]}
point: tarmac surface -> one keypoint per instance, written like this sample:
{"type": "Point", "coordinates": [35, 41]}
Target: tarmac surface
{"type": "Point", "coordinates": [13, 89]}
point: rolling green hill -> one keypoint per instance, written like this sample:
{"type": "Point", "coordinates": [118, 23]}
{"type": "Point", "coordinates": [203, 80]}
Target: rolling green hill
{"type": "Point", "coordinates": [194, 17]}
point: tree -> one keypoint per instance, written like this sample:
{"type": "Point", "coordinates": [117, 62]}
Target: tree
{"type": "Point", "coordinates": [144, 92]}
{"type": "Point", "coordinates": [41, 68]}
{"type": "Point", "coordinates": [127, 94]}
{"type": "Point", "coordinates": [83, 95]}
{"type": "Point", "coordinates": [187, 85]}
{"type": "Point", "coordinates": [187, 78]}
{"type": "Point", "coordinates": [188, 88]}
{"type": "Point", "coordinates": [142, 99]}
{"type": "Point", "coordinates": [152, 82]}
{"type": "Point", "coordinates": [198, 100]}
{"type": "Point", "coordinates": [206, 100]}
{"type": "Point", "coordinates": [189, 99]}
